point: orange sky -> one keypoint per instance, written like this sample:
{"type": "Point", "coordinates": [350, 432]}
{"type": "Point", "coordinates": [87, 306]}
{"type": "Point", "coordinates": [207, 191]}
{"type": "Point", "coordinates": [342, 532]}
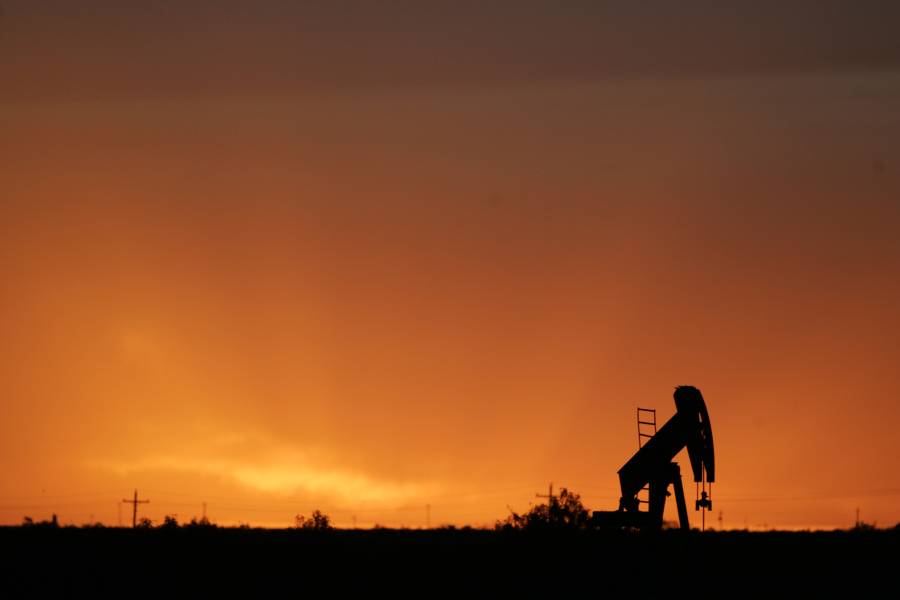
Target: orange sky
{"type": "Point", "coordinates": [279, 284]}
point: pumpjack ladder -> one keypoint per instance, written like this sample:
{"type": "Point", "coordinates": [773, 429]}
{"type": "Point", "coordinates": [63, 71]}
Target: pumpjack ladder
{"type": "Point", "coordinates": [646, 418]}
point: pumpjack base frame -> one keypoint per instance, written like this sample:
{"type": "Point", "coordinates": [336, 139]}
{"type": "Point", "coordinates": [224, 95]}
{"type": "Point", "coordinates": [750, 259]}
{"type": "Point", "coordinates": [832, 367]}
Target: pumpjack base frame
{"type": "Point", "coordinates": [652, 519]}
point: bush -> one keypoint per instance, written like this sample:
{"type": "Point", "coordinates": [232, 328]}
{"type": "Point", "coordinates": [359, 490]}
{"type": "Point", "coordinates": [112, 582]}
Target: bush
{"type": "Point", "coordinates": [863, 526]}
{"type": "Point", "coordinates": [318, 521]}
{"type": "Point", "coordinates": [29, 522]}
{"type": "Point", "coordinates": [169, 522]}
{"type": "Point", "coordinates": [201, 523]}
{"type": "Point", "coordinates": [563, 512]}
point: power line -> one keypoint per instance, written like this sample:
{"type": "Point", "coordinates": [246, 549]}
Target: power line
{"type": "Point", "coordinates": [464, 503]}
{"type": "Point", "coordinates": [76, 494]}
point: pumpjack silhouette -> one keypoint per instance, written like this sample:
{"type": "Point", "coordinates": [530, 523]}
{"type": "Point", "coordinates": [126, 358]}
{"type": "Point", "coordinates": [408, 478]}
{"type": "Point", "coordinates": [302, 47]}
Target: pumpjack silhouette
{"type": "Point", "coordinates": [653, 469]}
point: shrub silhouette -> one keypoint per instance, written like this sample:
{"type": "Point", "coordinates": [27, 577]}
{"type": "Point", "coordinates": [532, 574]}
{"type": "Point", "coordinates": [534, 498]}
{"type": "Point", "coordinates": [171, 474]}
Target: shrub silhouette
{"type": "Point", "coordinates": [169, 522]}
{"type": "Point", "coordinates": [202, 522]}
{"type": "Point", "coordinates": [863, 526]}
{"type": "Point", "coordinates": [318, 521]}
{"type": "Point", "coordinates": [29, 522]}
{"type": "Point", "coordinates": [563, 512]}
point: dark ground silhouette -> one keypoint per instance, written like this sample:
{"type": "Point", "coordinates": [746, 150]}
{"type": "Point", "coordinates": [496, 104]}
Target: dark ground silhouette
{"type": "Point", "coordinates": [296, 562]}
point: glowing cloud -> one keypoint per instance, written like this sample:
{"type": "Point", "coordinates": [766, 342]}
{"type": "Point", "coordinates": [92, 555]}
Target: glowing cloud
{"type": "Point", "coordinates": [283, 473]}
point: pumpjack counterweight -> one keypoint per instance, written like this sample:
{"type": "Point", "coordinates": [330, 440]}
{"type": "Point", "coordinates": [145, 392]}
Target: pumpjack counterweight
{"type": "Point", "coordinates": [653, 467]}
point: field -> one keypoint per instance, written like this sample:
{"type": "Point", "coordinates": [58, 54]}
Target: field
{"type": "Point", "coordinates": [111, 561]}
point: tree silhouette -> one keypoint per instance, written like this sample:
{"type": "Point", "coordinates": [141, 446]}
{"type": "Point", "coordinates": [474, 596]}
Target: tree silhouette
{"type": "Point", "coordinates": [562, 512]}
{"type": "Point", "coordinates": [200, 523]}
{"type": "Point", "coordinates": [169, 522]}
{"type": "Point", "coordinates": [863, 526]}
{"type": "Point", "coordinates": [318, 521]}
{"type": "Point", "coordinates": [29, 522]}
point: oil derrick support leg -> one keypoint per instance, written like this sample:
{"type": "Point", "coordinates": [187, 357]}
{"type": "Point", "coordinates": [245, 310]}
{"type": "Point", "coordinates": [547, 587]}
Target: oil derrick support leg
{"type": "Point", "coordinates": [658, 493]}
{"type": "Point", "coordinates": [679, 498]}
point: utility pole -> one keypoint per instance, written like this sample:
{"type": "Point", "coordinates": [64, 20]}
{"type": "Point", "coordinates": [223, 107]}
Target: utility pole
{"type": "Point", "coordinates": [549, 495]}
{"type": "Point", "coordinates": [720, 520]}
{"type": "Point", "coordinates": [134, 504]}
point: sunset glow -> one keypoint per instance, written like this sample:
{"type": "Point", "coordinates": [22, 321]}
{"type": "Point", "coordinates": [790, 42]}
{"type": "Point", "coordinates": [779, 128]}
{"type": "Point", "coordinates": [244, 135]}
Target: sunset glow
{"type": "Point", "coordinates": [261, 261]}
